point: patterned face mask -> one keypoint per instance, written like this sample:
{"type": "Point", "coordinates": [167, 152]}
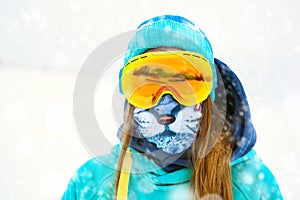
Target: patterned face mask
{"type": "Point", "coordinates": [168, 124]}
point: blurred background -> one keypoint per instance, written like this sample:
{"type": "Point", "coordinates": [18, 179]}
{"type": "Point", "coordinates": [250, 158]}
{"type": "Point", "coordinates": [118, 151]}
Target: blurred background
{"type": "Point", "coordinates": [43, 44]}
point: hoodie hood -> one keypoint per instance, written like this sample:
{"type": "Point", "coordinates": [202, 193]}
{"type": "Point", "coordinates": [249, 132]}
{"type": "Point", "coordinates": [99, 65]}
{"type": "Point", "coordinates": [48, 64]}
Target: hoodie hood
{"type": "Point", "coordinates": [237, 111]}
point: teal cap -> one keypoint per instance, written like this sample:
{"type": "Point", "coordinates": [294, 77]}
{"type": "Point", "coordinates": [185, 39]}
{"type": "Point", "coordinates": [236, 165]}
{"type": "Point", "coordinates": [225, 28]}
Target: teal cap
{"type": "Point", "coordinates": [171, 31]}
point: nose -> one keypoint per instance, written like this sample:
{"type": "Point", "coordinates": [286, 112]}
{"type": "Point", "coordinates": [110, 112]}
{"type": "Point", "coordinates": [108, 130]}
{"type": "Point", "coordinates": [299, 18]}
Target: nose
{"type": "Point", "coordinates": [166, 119]}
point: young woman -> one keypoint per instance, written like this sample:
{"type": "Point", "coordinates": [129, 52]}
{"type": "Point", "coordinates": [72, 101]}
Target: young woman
{"type": "Point", "coordinates": [187, 131]}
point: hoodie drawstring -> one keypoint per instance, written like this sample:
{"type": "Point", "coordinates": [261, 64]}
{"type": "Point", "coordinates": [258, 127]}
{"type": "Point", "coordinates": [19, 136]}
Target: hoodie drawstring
{"type": "Point", "coordinates": [124, 176]}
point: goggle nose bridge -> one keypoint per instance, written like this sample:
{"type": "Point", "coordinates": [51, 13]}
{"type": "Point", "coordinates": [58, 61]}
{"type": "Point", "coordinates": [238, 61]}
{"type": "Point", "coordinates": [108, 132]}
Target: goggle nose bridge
{"type": "Point", "coordinates": [164, 90]}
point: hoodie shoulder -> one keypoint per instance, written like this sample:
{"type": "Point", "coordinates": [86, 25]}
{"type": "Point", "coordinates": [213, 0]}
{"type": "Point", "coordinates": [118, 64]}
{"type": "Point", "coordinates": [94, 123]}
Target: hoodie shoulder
{"type": "Point", "coordinates": [90, 179]}
{"type": "Point", "coordinates": [252, 179]}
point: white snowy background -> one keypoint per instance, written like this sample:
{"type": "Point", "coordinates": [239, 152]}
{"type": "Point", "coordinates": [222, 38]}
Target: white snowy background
{"type": "Point", "coordinates": [44, 43]}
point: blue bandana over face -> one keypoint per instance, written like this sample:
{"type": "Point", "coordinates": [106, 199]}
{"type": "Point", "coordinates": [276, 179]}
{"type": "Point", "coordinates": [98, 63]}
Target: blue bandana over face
{"type": "Point", "coordinates": [169, 125]}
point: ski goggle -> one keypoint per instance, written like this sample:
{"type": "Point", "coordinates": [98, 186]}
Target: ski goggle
{"type": "Point", "coordinates": [187, 76]}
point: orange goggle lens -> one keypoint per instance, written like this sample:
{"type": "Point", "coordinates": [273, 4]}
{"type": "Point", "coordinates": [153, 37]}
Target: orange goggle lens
{"type": "Point", "coordinates": [187, 76]}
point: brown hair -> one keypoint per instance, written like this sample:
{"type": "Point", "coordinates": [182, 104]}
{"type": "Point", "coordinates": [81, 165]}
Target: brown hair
{"type": "Point", "coordinates": [210, 154]}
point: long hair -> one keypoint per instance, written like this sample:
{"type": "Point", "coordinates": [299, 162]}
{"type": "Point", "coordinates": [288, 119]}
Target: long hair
{"type": "Point", "coordinates": [210, 154]}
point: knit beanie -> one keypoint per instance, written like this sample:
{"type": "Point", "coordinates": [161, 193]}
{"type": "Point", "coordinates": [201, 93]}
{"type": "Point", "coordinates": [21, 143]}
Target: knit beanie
{"type": "Point", "coordinates": [171, 31]}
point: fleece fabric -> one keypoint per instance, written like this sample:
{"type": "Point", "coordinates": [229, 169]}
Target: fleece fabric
{"type": "Point", "coordinates": [251, 180]}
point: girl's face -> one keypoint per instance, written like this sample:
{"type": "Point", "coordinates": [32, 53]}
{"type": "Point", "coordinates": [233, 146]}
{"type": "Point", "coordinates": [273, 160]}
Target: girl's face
{"type": "Point", "coordinates": [168, 124]}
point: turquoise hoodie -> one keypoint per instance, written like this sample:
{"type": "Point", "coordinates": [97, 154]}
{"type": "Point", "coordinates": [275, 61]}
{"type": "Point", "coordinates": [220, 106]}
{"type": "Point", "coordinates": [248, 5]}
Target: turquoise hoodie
{"type": "Point", "coordinates": [251, 179]}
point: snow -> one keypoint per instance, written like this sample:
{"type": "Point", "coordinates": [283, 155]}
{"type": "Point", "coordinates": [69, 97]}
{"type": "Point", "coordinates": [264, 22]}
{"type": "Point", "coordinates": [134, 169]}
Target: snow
{"type": "Point", "coordinates": [43, 45]}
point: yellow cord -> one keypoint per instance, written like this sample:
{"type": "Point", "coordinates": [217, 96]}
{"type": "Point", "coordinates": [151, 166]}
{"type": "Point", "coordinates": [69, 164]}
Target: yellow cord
{"type": "Point", "coordinates": [124, 177]}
